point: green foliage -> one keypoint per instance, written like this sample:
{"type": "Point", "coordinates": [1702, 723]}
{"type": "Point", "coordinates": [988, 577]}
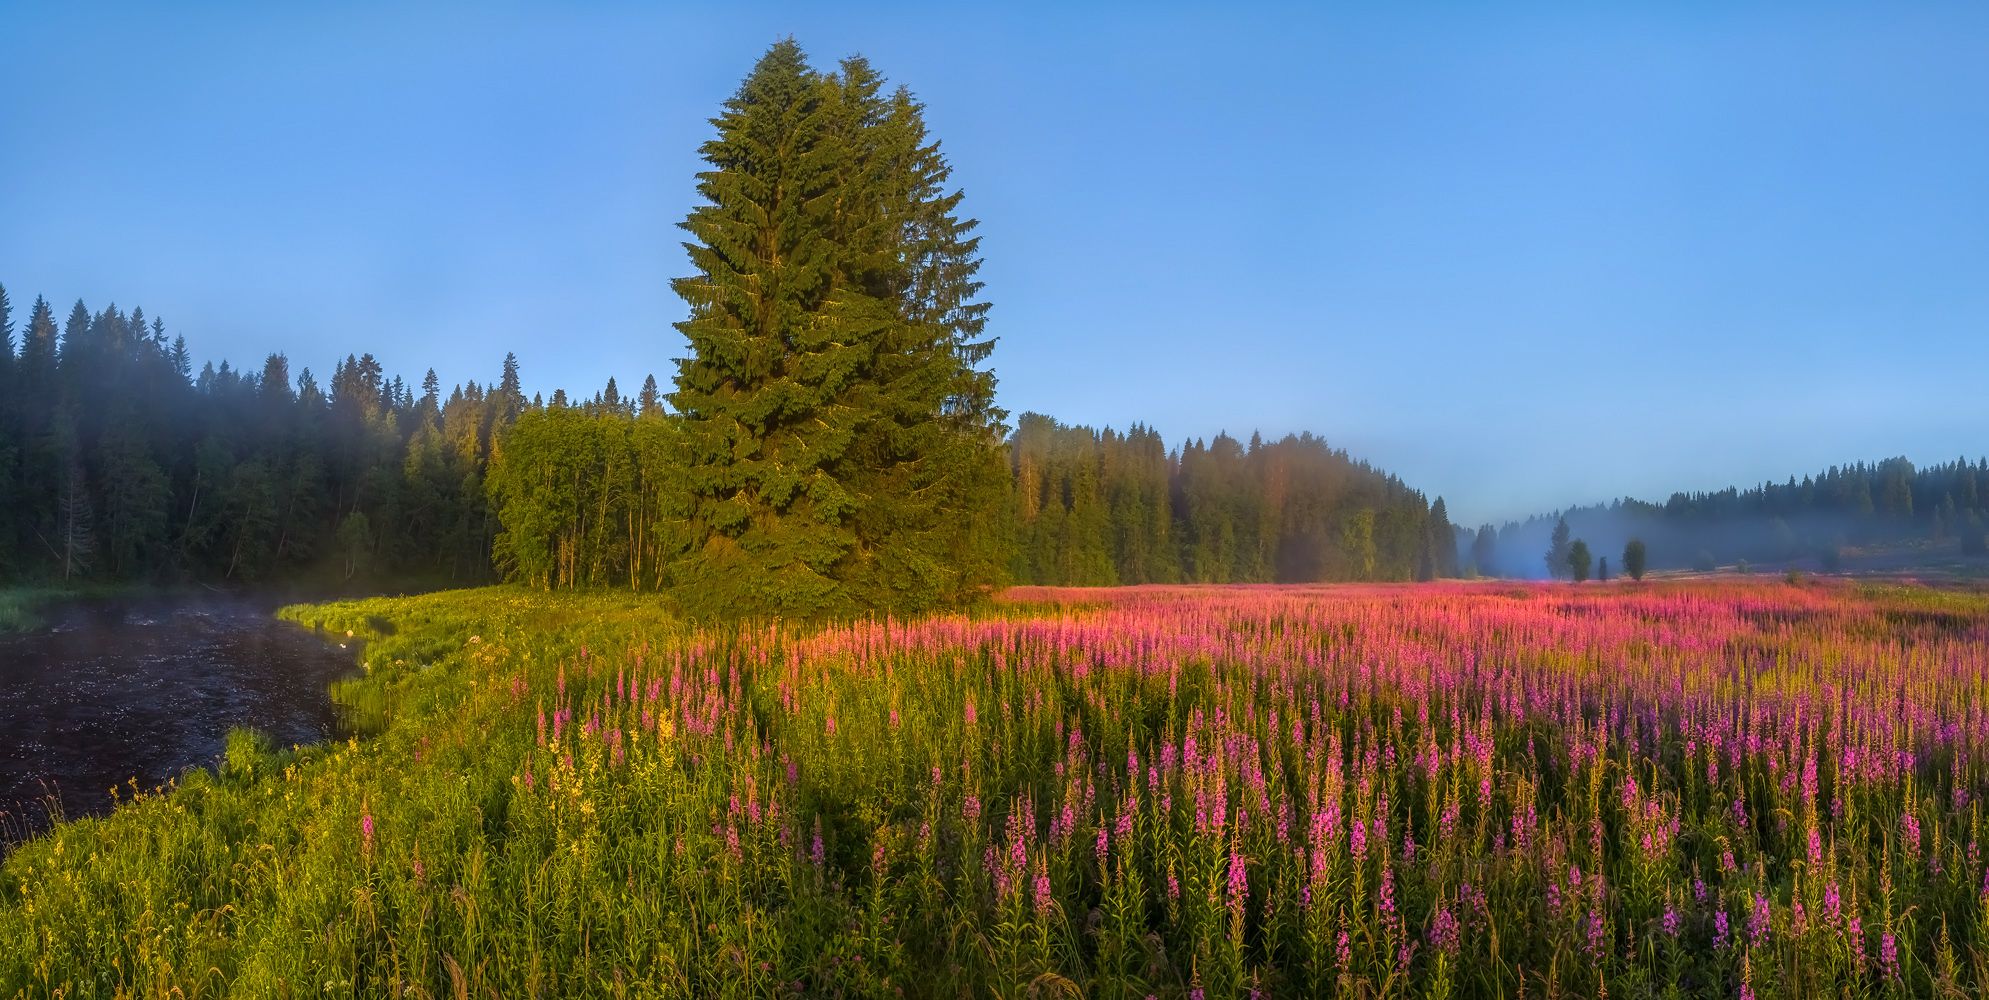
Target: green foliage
{"type": "Point", "coordinates": [1974, 535]}
{"type": "Point", "coordinates": [119, 464]}
{"type": "Point", "coordinates": [1558, 550]}
{"type": "Point", "coordinates": [1484, 552]}
{"type": "Point", "coordinates": [1635, 558]}
{"type": "Point", "coordinates": [1579, 561]}
{"type": "Point", "coordinates": [840, 443]}
{"type": "Point", "coordinates": [1097, 508]}
{"type": "Point", "coordinates": [588, 498]}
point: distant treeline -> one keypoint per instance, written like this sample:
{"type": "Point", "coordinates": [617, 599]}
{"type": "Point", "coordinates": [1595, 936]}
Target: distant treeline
{"type": "Point", "coordinates": [120, 461]}
{"type": "Point", "coordinates": [585, 493]}
{"type": "Point", "coordinates": [1891, 504]}
{"type": "Point", "coordinates": [1098, 508]}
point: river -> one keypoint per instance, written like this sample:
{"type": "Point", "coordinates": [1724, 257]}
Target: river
{"type": "Point", "coordinates": [115, 690]}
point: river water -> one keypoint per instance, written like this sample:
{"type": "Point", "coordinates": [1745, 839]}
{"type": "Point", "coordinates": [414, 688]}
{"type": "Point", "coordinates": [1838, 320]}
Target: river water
{"type": "Point", "coordinates": [110, 691]}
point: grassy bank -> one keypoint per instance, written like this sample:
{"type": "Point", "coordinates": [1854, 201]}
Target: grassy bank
{"type": "Point", "coordinates": [20, 606]}
{"type": "Point", "coordinates": [17, 609]}
{"type": "Point", "coordinates": [1704, 789]}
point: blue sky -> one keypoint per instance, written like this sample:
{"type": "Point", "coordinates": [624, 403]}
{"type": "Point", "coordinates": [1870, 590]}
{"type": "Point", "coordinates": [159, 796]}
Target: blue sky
{"type": "Point", "coordinates": [1522, 258]}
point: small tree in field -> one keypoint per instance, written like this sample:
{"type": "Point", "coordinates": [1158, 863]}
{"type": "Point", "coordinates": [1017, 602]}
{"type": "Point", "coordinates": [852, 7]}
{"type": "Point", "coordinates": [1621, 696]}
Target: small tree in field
{"type": "Point", "coordinates": [1602, 570]}
{"type": "Point", "coordinates": [1557, 551]}
{"type": "Point", "coordinates": [1633, 558]}
{"type": "Point", "coordinates": [1579, 561]}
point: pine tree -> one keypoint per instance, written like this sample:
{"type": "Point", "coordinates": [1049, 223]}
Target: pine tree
{"type": "Point", "coordinates": [510, 394]}
{"type": "Point", "coordinates": [926, 466]}
{"type": "Point", "coordinates": [1484, 551]}
{"type": "Point", "coordinates": [182, 363]}
{"type": "Point", "coordinates": [11, 508]}
{"type": "Point", "coordinates": [650, 402]}
{"type": "Point", "coordinates": [6, 342]}
{"type": "Point", "coordinates": [1557, 550]}
{"type": "Point", "coordinates": [1579, 562]}
{"type": "Point", "coordinates": [840, 447]}
{"type": "Point", "coordinates": [776, 349]}
{"type": "Point", "coordinates": [1441, 542]}
{"type": "Point", "coordinates": [1634, 556]}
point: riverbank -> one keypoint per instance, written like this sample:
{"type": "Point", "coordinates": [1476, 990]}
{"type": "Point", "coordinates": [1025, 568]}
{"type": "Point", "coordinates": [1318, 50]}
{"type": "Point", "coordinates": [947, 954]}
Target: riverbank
{"type": "Point", "coordinates": [136, 689]}
{"type": "Point", "coordinates": [20, 606]}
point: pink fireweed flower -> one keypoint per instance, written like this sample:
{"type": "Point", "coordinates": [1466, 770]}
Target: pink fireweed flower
{"type": "Point", "coordinates": [1239, 880]}
{"type": "Point", "coordinates": [1444, 933]}
{"type": "Point", "coordinates": [1671, 921]}
{"type": "Point", "coordinates": [1909, 834]}
{"type": "Point", "coordinates": [1757, 922]}
{"type": "Point", "coordinates": [1889, 954]}
{"type": "Point", "coordinates": [366, 831]}
{"type": "Point", "coordinates": [1815, 847]}
{"type": "Point", "coordinates": [1720, 929]}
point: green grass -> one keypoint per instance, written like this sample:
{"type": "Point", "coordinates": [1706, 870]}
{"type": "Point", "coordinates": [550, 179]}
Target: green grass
{"type": "Point", "coordinates": [18, 606]}
{"type": "Point", "coordinates": [21, 606]}
{"type": "Point", "coordinates": [256, 881]}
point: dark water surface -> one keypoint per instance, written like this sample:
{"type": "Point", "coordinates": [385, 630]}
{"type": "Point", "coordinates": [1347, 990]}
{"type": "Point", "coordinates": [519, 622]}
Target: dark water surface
{"type": "Point", "coordinates": [144, 689]}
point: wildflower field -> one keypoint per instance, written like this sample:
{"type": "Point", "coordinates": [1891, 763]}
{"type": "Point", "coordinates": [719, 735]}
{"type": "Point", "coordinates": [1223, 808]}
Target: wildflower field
{"type": "Point", "coordinates": [1719, 789]}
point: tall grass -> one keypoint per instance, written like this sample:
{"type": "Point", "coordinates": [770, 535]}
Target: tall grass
{"type": "Point", "coordinates": [1698, 789]}
{"type": "Point", "coordinates": [18, 604]}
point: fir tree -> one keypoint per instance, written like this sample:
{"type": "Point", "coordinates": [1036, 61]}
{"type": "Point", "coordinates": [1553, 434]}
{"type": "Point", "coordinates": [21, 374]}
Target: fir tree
{"type": "Point", "coordinates": [1484, 551]}
{"type": "Point", "coordinates": [839, 447]}
{"type": "Point", "coordinates": [650, 401]}
{"type": "Point", "coordinates": [1557, 550]}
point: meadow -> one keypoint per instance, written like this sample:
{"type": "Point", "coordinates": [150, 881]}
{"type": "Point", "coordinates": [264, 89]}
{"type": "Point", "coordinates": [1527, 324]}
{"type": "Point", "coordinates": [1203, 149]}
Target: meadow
{"type": "Point", "coordinates": [1697, 788]}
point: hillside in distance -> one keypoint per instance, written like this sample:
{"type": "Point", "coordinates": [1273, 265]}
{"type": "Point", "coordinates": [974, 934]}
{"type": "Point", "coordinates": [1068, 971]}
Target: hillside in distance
{"type": "Point", "coordinates": [1884, 517]}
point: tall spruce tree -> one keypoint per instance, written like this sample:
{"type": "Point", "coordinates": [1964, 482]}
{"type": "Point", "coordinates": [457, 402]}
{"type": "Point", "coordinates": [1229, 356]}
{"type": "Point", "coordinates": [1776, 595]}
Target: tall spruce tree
{"type": "Point", "coordinates": [926, 466]}
{"type": "Point", "coordinates": [840, 445]}
{"type": "Point", "coordinates": [777, 348]}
